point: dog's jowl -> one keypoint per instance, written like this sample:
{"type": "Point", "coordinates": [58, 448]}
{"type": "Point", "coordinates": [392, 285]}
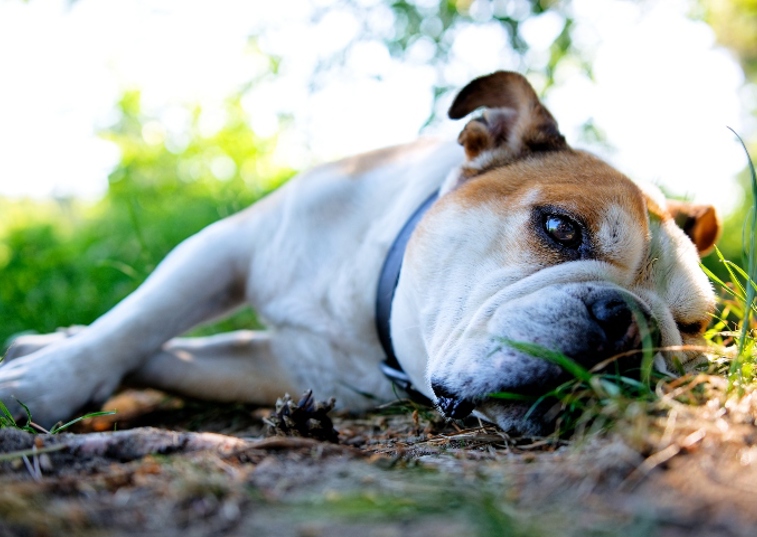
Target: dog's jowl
{"type": "Point", "coordinates": [435, 264]}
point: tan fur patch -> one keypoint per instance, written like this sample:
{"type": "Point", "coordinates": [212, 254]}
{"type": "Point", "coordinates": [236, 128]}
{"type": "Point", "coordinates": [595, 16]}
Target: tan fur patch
{"type": "Point", "coordinates": [655, 210]}
{"type": "Point", "coordinates": [571, 180]}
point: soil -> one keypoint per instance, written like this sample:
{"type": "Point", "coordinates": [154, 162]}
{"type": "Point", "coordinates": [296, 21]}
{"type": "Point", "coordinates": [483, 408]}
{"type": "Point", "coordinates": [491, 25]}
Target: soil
{"type": "Point", "coordinates": [166, 466]}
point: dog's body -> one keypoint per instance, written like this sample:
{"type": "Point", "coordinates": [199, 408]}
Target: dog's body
{"type": "Point", "coordinates": [530, 241]}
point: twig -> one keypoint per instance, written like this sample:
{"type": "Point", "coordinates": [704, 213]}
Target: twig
{"type": "Point", "coordinates": [29, 467]}
{"type": "Point", "coordinates": [35, 458]}
{"type": "Point", "coordinates": [295, 442]}
{"type": "Point", "coordinates": [38, 427]}
{"type": "Point", "coordinates": [136, 443]}
{"type": "Point", "coordinates": [33, 451]}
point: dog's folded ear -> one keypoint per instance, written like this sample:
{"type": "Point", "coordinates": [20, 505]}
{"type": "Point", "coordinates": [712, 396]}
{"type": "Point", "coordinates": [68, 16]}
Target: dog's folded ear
{"type": "Point", "coordinates": [700, 222]}
{"type": "Point", "coordinates": [514, 123]}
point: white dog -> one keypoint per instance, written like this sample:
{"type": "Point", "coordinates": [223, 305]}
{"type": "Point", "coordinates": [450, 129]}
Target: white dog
{"type": "Point", "coordinates": [519, 238]}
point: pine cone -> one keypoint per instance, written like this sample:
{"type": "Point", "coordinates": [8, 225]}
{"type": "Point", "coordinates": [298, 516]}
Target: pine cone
{"type": "Point", "coordinates": [306, 418]}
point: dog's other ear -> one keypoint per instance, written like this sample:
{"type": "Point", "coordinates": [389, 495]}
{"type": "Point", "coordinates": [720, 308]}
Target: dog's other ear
{"type": "Point", "coordinates": [700, 222]}
{"type": "Point", "coordinates": [514, 124]}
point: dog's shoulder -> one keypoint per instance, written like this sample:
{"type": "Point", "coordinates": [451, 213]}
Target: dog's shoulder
{"type": "Point", "coordinates": [423, 150]}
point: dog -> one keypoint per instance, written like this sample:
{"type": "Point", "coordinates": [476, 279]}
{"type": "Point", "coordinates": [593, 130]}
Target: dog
{"type": "Point", "coordinates": [508, 237]}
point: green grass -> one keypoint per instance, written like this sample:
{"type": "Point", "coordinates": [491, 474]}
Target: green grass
{"type": "Point", "coordinates": [733, 329]}
{"type": "Point", "coordinates": [8, 421]}
{"type": "Point", "coordinates": [746, 342]}
{"type": "Point", "coordinates": [477, 506]}
{"type": "Point", "coordinates": [591, 400]}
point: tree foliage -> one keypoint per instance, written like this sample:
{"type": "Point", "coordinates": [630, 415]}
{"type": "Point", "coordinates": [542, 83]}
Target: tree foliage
{"type": "Point", "coordinates": [65, 262]}
{"type": "Point", "coordinates": [735, 25]}
{"type": "Point", "coordinates": [425, 32]}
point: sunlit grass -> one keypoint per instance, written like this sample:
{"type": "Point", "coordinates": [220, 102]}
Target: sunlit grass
{"type": "Point", "coordinates": [8, 421]}
{"type": "Point", "coordinates": [592, 400]}
{"type": "Point", "coordinates": [733, 330]}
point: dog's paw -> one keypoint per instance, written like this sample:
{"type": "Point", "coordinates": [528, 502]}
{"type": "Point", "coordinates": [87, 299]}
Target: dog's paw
{"type": "Point", "coordinates": [30, 343]}
{"type": "Point", "coordinates": [53, 383]}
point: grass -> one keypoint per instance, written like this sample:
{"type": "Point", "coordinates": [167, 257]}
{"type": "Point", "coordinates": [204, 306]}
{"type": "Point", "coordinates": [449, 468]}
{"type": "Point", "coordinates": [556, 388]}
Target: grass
{"type": "Point", "coordinates": [739, 299]}
{"type": "Point", "coordinates": [592, 400]}
{"type": "Point", "coordinates": [419, 494]}
{"type": "Point", "coordinates": [8, 421]}
{"type": "Point", "coordinates": [750, 226]}
{"type": "Point", "coordinates": [33, 465]}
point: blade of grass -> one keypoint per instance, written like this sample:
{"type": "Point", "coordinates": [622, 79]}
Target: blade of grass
{"type": "Point", "coordinates": [714, 278]}
{"type": "Point", "coordinates": [647, 344]}
{"type": "Point", "coordinates": [557, 358]}
{"type": "Point", "coordinates": [26, 409]}
{"type": "Point", "coordinates": [750, 226]}
{"type": "Point", "coordinates": [511, 396]}
{"type": "Point", "coordinates": [558, 393]}
{"type": "Point", "coordinates": [6, 420]}
{"type": "Point", "coordinates": [58, 428]}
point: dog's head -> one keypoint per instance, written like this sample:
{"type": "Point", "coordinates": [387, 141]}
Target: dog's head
{"type": "Point", "coordinates": [535, 243]}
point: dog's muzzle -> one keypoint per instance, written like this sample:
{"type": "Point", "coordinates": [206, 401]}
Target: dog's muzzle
{"type": "Point", "coordinates": [610, 331]}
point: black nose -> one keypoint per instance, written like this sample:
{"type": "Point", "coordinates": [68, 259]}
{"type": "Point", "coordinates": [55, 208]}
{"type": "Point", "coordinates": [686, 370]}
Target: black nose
{"type": "Point", "coordinates": [613, 314]}
{"type": "Point", "coordinates": [451, 405]}
{"type": "Point", "coordinates": [626, 324]}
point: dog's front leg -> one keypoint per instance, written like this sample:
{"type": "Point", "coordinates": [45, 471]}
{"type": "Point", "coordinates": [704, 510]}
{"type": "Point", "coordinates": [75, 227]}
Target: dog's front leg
{"type": "Point", "coordinates": [243, 366]}
{"type": "Point", "coordinates": [201, 279]}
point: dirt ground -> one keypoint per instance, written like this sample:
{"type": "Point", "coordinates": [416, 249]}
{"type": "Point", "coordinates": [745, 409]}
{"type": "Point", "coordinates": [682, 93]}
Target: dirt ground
{"type": "Point", "coordinates": [170, 467]}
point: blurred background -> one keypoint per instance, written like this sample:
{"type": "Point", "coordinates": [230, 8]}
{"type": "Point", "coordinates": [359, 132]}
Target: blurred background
{"type": "Point", "coordinates": [126, 126]}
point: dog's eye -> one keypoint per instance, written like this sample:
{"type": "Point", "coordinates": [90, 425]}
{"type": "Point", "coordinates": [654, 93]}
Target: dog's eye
{"type": "Point", "coordinates": [562, 229]}
{"type": "Point", "coordinates": [692, 329]}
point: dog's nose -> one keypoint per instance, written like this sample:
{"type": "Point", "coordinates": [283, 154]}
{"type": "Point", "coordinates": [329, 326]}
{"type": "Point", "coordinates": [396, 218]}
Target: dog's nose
{"type": "Point", "coordinates": [613, 314]}
{"type": "Point", "coordinates": [627, 325]}
{"type": "Point", "coordinates": [451, 405]}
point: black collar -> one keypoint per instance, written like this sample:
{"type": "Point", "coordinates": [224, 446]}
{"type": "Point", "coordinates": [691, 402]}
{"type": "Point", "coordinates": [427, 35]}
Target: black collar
{"type": "Point", "coordinates": [388, 278]}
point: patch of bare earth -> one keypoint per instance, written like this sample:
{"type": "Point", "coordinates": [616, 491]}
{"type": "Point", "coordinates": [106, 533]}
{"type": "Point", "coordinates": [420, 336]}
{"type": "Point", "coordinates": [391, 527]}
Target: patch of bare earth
{"type": "Point", "coordinates": [174, 467]}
